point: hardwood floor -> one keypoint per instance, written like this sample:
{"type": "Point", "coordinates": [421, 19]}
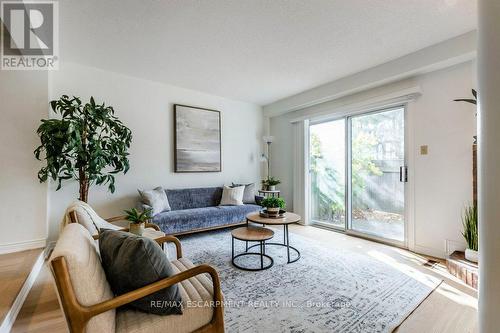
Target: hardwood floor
{"type": "Point", "coordinates": [14, 269]}
{"type": "Point", "coordinates": [451, 308]}
{"type": "Point", "coordinates": [41, 312]}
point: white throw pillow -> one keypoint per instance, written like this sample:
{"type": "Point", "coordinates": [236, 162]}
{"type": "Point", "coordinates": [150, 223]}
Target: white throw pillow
{"type": "Point", "coordinates": [232, 196]}
{"type": "Point", "coordinates": [157, 199]}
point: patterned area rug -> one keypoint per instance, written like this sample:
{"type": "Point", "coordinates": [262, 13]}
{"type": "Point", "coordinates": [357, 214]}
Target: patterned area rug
{"type": "Point", "coordinates": [327, 290]}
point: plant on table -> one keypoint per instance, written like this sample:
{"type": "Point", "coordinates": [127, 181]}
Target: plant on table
{"type": "Point", "coordinates": [270, 183]}
{"type": "Point", "coordinates": [470, 232]}
{"type": "Point", "coordinates": [273, 204]}
{"type": "Point", "coordinates": [87, 143]}
{"type": "Point", "coordinates": [137, 220]}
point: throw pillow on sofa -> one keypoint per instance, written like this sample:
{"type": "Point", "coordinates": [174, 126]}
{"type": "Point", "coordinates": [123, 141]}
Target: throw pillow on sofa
{"type": "Point", "coordinates": [156, 199]}
{"type": "Point", "coordinates": [232, 196]}
{"type": "Point", "coordinates": [248, 194]}
{"type": "Point", "coordinates": [131, 262]}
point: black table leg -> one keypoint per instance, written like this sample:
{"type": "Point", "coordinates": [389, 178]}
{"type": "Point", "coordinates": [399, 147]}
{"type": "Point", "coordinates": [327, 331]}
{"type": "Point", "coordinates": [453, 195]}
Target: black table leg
{"type": "Point", "coordinates": [287, 242]}
{"type": "Point", "coordinates": [261, 256]}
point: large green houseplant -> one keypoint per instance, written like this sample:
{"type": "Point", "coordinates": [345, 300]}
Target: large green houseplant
{"type": "Point", "coordinates": [87, 143]}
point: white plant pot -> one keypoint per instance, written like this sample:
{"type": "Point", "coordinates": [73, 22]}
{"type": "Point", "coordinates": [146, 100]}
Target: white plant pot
{"type": "Point", "coordinates": [136, 228]}
{"type": "Point", "coordinates": [471, 255]}
{"type": "Point", "coordinates": [271, 188]}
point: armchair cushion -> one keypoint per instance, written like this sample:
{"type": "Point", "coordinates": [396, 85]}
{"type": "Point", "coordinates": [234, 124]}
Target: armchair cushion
{"type": "Point", "coordinates": [131, 262]}
{"type": "Point", "coordinates": [87, 275]}
{"type": "Point", "coordinates": [197, 294]}
{"type": "Point", "coordinates": [87, 217]}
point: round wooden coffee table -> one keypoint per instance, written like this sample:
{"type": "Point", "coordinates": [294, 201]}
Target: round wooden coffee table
{"type": "Point", "coordinates": [285, 221]}
{"type": "Point", "coordinates": [252, 234]}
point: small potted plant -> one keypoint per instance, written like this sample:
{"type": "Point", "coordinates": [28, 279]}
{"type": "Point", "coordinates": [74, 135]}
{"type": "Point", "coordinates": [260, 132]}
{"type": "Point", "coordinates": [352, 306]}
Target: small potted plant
{"type": "Point", "coordinates": [137, 220]}
{"type": "Point", "coordinates": [470, 233]}
{"type": "Point", "coordinates": [273, 205]}
{"type": "Point", "coordinates": [270, 183]}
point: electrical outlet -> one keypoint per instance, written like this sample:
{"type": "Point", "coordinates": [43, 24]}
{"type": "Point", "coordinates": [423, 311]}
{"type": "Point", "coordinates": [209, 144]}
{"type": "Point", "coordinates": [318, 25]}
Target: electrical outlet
{"type": "Point", "coordinates": [424, 150]}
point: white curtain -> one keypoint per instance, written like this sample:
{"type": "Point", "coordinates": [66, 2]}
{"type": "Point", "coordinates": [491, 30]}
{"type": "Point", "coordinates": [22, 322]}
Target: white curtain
{"type": "Point", "coordinates": [301, 169]}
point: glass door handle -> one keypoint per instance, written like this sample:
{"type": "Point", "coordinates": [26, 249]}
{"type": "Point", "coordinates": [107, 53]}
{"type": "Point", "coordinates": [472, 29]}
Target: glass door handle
{"type": "Point", "coordinates": [403, 174]}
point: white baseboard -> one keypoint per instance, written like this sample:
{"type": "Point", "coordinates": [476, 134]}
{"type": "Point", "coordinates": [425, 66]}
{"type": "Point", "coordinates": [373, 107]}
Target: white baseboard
{"type": "Point", "coordinates": [11, 316]}
{"type": "Point", "coordinates": [452, 246]}
{"type": "Point", "coordinates": [22, 246]}
{"type": "Point", "coordinates": [429, 251]}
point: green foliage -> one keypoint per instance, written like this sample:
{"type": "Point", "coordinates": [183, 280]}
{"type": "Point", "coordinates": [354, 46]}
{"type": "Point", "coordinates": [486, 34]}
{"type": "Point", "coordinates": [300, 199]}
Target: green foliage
{"type": "Point", "coordinates": [469, 222]}
{"type": "Point", "coordinates": [330, 203]}
{"type": "Point", "coordinates": [134, 216]}
{"type": "Point", "coordinates": [362, 160]}
{"type": "Point", "coordinates": [88, 143]}
{"type": "Point", "coordinates": [271, 181]}
{"type": "Point", "coordinates": [273, 202]}
{"type": "Point", "coordinates": [469, 100]}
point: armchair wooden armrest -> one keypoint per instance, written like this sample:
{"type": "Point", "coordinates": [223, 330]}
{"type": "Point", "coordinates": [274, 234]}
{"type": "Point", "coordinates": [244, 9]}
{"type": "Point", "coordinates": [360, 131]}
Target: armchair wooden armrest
{"type": "Point", "coordinates": [78, 315]}
{"type": "Point", "coordinates": [161, 241]}
{"type": "Point", "coordinates": [172, 239]}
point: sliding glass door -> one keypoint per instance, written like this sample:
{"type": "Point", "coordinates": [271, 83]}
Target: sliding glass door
{"type": "Point", "coordinates": [358, 174]}
{"type": "Point", "coordinates": [327, 165]}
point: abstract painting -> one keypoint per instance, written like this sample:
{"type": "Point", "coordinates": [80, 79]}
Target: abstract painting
{"type": "Point", "coordinates": [197, 139]}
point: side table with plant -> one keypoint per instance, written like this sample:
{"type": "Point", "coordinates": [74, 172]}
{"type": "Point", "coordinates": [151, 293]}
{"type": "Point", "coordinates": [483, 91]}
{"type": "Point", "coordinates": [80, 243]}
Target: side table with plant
{"type": "Point", "coordinates": [273, 205]}
{"type": "Point", "coordinates": [137, 220]}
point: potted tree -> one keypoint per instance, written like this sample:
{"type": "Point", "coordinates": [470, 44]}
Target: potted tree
{"type": "Point", "coordinates": [470, 233]}
{"type": "Point", "coordinates": [137, 220]}
{"type": "Point", "coordinates": [87, 143]}
{"type": "Point", "coordinates": [273, 205]}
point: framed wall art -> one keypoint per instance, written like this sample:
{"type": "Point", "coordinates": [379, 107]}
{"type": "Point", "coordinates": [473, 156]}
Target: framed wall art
{"type": "Point", "coordinates": [197, 143]}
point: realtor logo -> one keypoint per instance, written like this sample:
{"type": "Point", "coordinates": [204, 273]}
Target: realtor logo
{"type": "Point", "coordinates": [29, 35]}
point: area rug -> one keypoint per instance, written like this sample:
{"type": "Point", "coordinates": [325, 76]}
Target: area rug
{"type": "Point", "coordinates": [327, 290]}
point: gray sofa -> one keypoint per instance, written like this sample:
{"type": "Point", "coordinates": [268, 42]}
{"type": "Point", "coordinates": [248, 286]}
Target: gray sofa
{"type": "Point", "coordinates": [197, 209]}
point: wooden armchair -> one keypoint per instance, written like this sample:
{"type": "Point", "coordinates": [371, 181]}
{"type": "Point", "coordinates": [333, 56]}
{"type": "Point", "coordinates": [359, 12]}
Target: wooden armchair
{"type": "Point", "coordinates": [89, 304]}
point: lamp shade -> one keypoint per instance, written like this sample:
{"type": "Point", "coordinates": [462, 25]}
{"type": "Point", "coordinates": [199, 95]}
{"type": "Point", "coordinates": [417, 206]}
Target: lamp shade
{"type": "Point", "coordinates": [268, 138]}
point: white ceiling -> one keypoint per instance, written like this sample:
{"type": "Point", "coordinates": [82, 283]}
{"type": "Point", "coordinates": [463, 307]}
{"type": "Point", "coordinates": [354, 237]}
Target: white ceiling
{"type": "Point", "coordinates": [257, 51]}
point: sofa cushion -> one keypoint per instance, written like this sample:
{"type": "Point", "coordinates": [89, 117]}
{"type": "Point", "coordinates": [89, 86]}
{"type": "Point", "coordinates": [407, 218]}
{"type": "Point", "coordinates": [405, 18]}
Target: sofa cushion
{"type": "Point", "coordinates": [196, 290]}
{"type": "Point", "coordinates": [132, 262]}
{"type": "Point", "coordinates": [232, 196]}
{"type": "Point", "coordinates": [248, 194]}
{"type": "Point", "coordinates": [156, 199]}
{"type": "Point", "coordinates": [87, 275]}
{"type": "Point", "coordinates": [177, 221]}
{"type": "Point", "coordinates": [194, 197]}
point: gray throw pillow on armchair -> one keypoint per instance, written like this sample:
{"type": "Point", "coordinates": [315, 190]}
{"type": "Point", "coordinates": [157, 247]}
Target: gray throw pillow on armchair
{"type": "Point", "coordinates": [248, 194]}
{"type": "Point", "coordinates": [131, 262]}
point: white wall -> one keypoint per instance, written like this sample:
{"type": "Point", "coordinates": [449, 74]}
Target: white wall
{"type": "Point", "coordinates": [23, 102]}
{"type": "Point", "coordinates": [147, 109]}
{"type": "Point", "coordinates": [442, 182]}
